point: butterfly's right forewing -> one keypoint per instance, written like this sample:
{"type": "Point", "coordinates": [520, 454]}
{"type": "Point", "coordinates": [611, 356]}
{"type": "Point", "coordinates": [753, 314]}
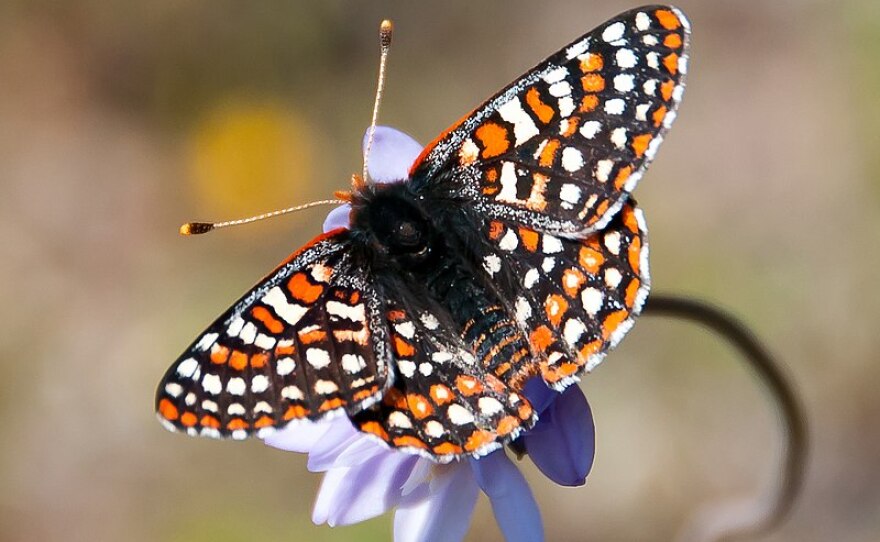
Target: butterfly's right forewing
{"type": "Point", "coordinates": [560, 149]}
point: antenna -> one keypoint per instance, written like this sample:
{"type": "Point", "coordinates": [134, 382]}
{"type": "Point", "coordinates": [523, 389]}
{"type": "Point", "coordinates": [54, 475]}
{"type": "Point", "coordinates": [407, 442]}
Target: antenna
{"type": "Point", "coordinates": [385, 31]}
{"type": "Point", "coordinates": [196, 228]}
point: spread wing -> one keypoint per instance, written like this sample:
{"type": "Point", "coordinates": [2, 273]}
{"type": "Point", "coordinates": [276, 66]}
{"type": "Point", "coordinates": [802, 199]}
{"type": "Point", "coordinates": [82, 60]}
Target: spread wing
{"type": "Point", "coordinates": [308, 341]}
{"type": "Point", "coordinates": [560, 149]}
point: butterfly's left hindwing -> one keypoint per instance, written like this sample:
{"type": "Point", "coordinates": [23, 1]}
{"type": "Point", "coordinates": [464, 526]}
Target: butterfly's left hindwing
{"type": "Point", "coordinates": [307, 342]}
{"type": "Point", "coordinates": [560, 149]}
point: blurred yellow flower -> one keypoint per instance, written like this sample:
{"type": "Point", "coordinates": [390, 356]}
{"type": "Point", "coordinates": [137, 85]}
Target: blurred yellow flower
{"type": "Point", "coordinates": [247, 156]}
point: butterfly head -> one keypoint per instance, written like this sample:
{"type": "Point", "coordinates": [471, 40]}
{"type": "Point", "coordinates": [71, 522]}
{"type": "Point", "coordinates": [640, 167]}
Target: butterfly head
{"type": "Point", "coordinates": [398, 227]}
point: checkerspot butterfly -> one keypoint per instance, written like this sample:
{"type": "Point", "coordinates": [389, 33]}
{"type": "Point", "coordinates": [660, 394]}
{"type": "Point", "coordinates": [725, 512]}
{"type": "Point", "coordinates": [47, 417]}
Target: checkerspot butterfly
{"type": "Point", "coordinates": [513, 250]}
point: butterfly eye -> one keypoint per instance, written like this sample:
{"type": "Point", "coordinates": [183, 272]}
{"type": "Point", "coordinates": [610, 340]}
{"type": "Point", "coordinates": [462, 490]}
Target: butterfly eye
{"type": "Point", "coordinates": [407, 234]}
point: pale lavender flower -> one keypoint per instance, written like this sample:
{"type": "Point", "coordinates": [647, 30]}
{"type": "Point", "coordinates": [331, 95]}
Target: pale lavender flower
{"type": "Point", "coordinates": [365, 478]}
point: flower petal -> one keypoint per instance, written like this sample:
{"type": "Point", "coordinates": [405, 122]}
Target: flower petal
{"type": "Point", "coordinates": [539, 394]}
{"type": "Point", "coordinates": [337, 218]}
{"type": "Point", "coordinates": [444, 513]}
{"type": "Point", "coordinates": [353, 494]}
{"type": "Point", "coordinates": [512, 501]}
{"type": "Point", "coordinates": [392, 154]}
{"type": "Point", "coordinates": [563, 442]}
{"type": "Point", "coordinates": [299, 436]}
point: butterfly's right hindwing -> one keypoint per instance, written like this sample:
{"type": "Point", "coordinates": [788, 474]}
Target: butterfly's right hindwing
{"type": "Point", "coordinates": [307, 342]}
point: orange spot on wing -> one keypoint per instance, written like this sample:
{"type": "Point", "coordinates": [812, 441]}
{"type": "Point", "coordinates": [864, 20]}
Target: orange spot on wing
{"type": "Point", "coordinates": [543, 111]}
{"type": "Point", "coordinates": [478, 439]}
{"type": "Point", "coordinates": [263, 315]}
{"type": "Point", "coordinates": [295, 412]}
{"type": "Point", "coordinates": [303, 290]}
{"type": "Point", "coordinates": [441, 394]}
{"type": "Point", "coordinates": [529, 239]}
{"type": "Point", "coordinates": [419, 406]}
{"type": "Point", "coordinates": [541, 338]}
{"type": "Point", "coordinates": [331, 404]}
{"type": "Point", "coordinates": [284, 350]}
{"type": "Point", "coordinates": [494, 138]}
{"type": "Point", "coordinates": [447, 448]}
{"type": "Point", "coordinates": [640, 144]}
{"type": "Point", "coordinates": [555, 307]}
{"type": "Point", "coordinates": [593, 82]}
{"type": "Point", "coordinates": [629, 219]}
{"type": "Point", "coordinates": [394, 397]}
{"type": "Point", "coordinates": [365, 394]}
{"type": "Point", "coordinates": [589, 103]}
{"type": "Point", "coordinates": [507, 425]}
{"type": "Point", "coordinates": [210, 421]}
{"type": "Point", "coordinates": [548, 154]}
{"type": "Point", "coordinates": [667, 19]}
{"type": "Point", "coordinates": [236, 423]}
{"type": "Point", "coordinates": [634, 253]}
{"type": "Point", "coordinates": [264, 421]}
{"type": "Point", "coordinates": [673, 41]}
{"type": "Point", "coordinates": [409, 441]}
{"type": "Point", "coordinates": [671, 63]}
{"type": "Point", "coordinates": [589, 349]}
{"type": "Point", "coordinates": [495, 230]}
{"type": "Point", "coordinates": [219, 354]}
{"type": "Point", "coordinates": [591, 260]}
{"type": "Point", "coordinates": [612, 321]}
{"type": "Point", "coordinates": [168, 410]}
{"type": "Point", "coordinates": [396, 316]}
{"type": "Point", "coordinates": [666, 88]}
{"type": "Point", "coordinates": [572, 280]}
{"type": "Point", "coordinates": [258, 361]}
{"type": "Point", "coordinates": [659, 115]}
{"type": "Point", "coordinates": [468, 385]}
{"type": "Point", "coordinates": [188, 419]}
{"type": "Point", "coordinates": [622, 176]}
{"type": "Point", "coordinates": [631, 290]}
{"type": "Point", "coordinates": [592, 62]}
{"type": "Point", "coordinates": [313, 336]}
{"type": "Point", "coordinates": [525, 411]}
{"type": "Point", "coordinates": [402, 348]}
{"type": "Point", "coordinates": [374, 428]}
{"type": "Point", "coordinates": [238, 360]}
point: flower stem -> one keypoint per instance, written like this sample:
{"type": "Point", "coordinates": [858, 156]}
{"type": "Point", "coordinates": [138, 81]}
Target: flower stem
{"type": "Point", "coordinates": [727, 522]}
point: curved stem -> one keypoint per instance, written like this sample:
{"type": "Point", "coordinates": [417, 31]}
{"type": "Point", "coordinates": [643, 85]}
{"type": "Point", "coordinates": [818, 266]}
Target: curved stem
{"type": "Point", "coordinates": [768, 516]}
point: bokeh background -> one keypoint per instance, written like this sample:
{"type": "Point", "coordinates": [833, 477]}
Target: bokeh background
{"type": "Point", "coordinates": [120, 120]}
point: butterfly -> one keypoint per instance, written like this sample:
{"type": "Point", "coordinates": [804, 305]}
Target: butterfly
{"type": "Point", "coordinates": [513, 250]}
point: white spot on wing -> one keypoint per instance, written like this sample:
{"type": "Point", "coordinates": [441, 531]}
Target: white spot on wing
{"type": "Point", "coordinates": [509, 242]}
{"type": "Point", "coordinates": [317, 358]}
{"type": "Point", "coordinates": [211, 384]}
{"type": "Point", "coordinates": [643, 22]}
{"type": "Point", "coordinates": [206, 341]}
{"type": "Point", "coordinates": [590, 129]}
{"type": "Point", "coordinates": [612, 32]}
{"type": "Point", "coordinates": [551, 244]}
{"type": "Point", "coordinates": [618, 137]}
{"type": "Point", "coordinates": [625, 58]}
{"type": "Point", "coordinates": [492, 264]}
{"type": "Point", "coordinates": [603, 170]}
{"type": "Point", "coordinates": [523, 126]}
{"type": "Point", "coordinates": [615, 106]}
{"type": "Point", "coordinates": [459, 415]}
{"type": "Point", "coordinates": [259, 384]}
{"type": "Point", "coordinates": [592, 299]}
{"type": "Point", "coordinates": [285, 366]}
{"type": "Point", "coordinates": [187, 368]}
{"type": "Point", "coordinates": [236, 386]}
{"type": "Point", "coordinates": [573, 330]}
{"type": "Point", "coordinates": [572, 159]}
{"type": "Point", "coordinates": [289, 312]}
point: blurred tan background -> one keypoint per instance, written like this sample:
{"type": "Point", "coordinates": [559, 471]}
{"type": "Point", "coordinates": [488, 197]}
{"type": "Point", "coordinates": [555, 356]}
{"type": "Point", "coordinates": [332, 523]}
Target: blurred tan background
{"type": "Point", "coordinates": [119, 121]}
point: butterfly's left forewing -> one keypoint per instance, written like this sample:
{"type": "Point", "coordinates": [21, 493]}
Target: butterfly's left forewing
{"type": "Point", "coordinates": [307, 342]}
{"type": "Point", "coordinates": [560, 149]}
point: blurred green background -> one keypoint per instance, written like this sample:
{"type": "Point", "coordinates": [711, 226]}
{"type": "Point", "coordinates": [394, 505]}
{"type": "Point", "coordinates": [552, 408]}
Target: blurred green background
{"type": "Point", "coordinates": [119, 121]}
